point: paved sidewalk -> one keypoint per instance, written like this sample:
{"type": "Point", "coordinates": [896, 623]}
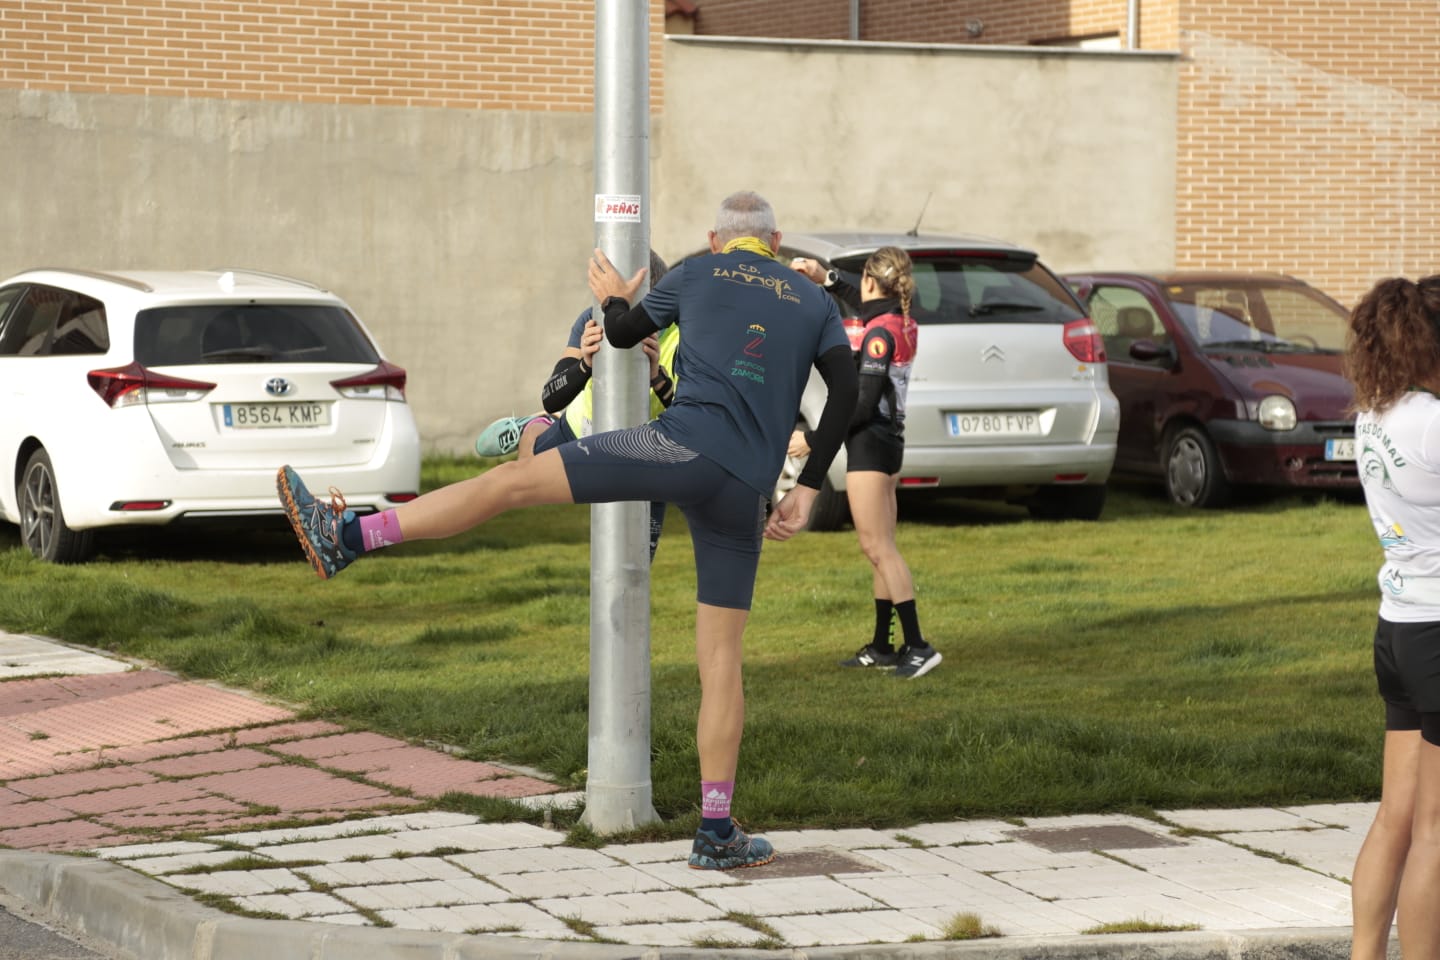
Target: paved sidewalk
{"type": "Point", "coordinates": [176, 790]}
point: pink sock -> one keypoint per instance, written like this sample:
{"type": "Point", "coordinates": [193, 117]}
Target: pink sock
{"type": "Point", "coordinates": [715, 798]}
{"type": "Point", "coordinates": [380, 530]}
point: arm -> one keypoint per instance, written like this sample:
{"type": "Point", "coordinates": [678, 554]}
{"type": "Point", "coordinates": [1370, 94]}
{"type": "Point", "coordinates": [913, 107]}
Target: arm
{"type": "Point", "coordinates": [837, 369]}
{"type": "Point", "coordinates": [625, 325]}
{"type": "Point", "coordinates": [570, 376]}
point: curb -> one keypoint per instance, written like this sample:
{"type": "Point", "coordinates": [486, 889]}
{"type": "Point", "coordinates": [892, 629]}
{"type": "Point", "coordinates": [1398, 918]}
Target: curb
{"type": "Point", "coordinates": [147, 919]}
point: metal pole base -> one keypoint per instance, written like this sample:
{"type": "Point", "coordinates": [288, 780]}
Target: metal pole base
{"type": "Point", "coordinates": [617, 808]}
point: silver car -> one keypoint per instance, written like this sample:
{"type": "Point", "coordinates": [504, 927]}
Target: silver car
{"type": "Point", "coordinates": [1009, 397]}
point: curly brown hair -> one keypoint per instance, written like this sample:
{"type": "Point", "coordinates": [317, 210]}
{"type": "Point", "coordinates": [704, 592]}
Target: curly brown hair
{"type": "Point", "coordinates": [1393, 344]}
{"type": "Point", "coordinates": [890, 267]}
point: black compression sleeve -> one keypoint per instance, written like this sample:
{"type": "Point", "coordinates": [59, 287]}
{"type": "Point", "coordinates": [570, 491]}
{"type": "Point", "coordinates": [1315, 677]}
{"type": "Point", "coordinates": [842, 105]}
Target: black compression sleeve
{"type": "Point", "coordinates": [625, 325]}
{"type": "Point", "coordinates": [837, 369]}
{"type": "Point", "coordinates": [570, 376]}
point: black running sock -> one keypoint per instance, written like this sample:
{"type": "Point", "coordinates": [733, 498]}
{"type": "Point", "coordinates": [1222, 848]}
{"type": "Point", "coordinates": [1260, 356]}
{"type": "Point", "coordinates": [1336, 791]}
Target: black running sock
{"type": "Point", "coordinates": [910, 624]}
{"type": "Point", "coordinates": [882, 642]}
{"type": "Point", "coordinates": [350, 535]}
{"type": "Point", "coordinates": [721, 827]}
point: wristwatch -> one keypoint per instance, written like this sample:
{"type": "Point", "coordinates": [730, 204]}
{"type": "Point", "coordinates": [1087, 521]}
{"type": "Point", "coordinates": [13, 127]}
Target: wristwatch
{"type": "Point", "coordinates": [831, 278]}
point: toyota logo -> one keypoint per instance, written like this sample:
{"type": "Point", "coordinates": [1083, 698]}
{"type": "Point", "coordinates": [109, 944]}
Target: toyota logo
{"type": "Point", "coordinates": [278, 386]}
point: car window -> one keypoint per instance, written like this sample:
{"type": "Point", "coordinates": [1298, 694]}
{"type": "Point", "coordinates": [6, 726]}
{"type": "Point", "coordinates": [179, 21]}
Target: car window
{"type": "Point", "coordinates": [250, 333]}
{"type": "Point", "coordinates": [48, 320]}
{"type": "Point", "coordinates": [1259, 315]}
{"type": "Point", "coordinates": [952, 288]}
{"type": "Point", "coordinates": [1124, 316]}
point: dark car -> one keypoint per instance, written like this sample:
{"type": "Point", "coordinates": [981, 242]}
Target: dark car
{"type": "Point", "coordinates": [1225, 380]}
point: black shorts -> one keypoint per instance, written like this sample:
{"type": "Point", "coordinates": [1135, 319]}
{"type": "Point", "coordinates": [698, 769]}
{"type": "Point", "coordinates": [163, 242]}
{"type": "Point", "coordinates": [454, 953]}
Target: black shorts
{"type": "Point", "coordinates": [877, 447]}
{"type": "Point", "coordinates": [726, 517]}
{"type": "Point", "coordinates": [1407, 671]}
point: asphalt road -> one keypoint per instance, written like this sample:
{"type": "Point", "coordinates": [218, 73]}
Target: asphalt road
{"type": "Point", "coordinates": [24, 938]}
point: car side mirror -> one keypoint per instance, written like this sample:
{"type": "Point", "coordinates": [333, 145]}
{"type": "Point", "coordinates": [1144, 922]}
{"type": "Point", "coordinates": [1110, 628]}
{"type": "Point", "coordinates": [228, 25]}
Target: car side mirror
{"type": "Point", "coordinates": [1148, 350]}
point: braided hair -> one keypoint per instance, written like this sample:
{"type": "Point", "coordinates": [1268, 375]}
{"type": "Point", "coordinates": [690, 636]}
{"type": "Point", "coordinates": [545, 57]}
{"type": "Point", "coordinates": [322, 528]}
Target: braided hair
{"type": "Point", "coordinates": [892, 271]}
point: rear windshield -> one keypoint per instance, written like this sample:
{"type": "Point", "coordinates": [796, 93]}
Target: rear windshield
{"type": "Point", "coordinates": [250, 333]}
{"type": "Point", "coordinates": [1258, 315]}
{"type": "Point", "coordinates": [974, 289]}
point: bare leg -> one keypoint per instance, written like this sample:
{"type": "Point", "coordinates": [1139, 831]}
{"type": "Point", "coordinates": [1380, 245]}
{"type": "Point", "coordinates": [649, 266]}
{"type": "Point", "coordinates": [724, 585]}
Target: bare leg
{"type": "Point", "coordinates": [872, 507]}
{"type": "Point", "coordinates": [469, 503]}
{"type": "Point", "coordinates": [719, 634]}
{"type": "Point", "coordinates": [1419, 920]}
{"type": "Point", "coordinates": [529, 435]}
{"type": "Point", "coordinates": [1376, 881]}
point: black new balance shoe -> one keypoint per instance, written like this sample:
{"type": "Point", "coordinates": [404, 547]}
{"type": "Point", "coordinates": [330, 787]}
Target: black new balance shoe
{"type": "Point", "coordinates": [916, 661]}
{"type": "Point", "coordinates": [868, 656]}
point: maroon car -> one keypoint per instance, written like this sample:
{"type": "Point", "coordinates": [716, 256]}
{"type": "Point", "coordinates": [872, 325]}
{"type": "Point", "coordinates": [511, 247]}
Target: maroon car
{"type": "Point", "coordinates": [1225, 380]}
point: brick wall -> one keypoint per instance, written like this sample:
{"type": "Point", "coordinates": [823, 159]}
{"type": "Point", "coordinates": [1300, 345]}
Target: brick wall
{"type": "Point", "coordinates": [488, 54]}
{"type": "Point", "coordinates": [1309, 136]}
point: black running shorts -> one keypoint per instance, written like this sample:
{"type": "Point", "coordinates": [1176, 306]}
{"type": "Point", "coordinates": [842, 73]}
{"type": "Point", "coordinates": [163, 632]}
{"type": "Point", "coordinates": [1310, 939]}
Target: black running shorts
{"type": "Point", "coordinates": [1407, 670]}
{"type": "Point", "coordinates": [726, 517]}
{"type": "Point", "coordinates": [877, 447]}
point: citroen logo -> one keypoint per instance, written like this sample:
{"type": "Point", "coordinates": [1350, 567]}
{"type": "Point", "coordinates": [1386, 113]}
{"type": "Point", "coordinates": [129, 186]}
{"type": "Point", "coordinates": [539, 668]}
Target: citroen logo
{"type": "Point", "coordinates": [278, 386]}
{"type": "Point", "coordinates": [992, 352]}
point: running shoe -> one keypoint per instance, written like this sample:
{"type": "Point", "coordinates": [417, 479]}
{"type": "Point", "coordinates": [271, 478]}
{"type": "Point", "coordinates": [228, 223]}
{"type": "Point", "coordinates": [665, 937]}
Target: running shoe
{"type": "Point", "coordinates": [870, 656]}
{"type": "Point", "coordinates": [316, 524]}
{"type": "Point", "coordinates": [740, 849]}
{"type": "Point", "coordinates": [916, 661]}
{"type": "Point", "coordinates": [502, 437]}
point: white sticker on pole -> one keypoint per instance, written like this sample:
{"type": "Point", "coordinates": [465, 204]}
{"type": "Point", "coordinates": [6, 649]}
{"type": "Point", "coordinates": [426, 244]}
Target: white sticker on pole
{"type": "Point", "coordinates": [616, 208]}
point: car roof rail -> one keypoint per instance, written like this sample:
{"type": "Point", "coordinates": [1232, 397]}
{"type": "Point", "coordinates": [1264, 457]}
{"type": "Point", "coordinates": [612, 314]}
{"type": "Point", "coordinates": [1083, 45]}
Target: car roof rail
{"type": "Point", "coordinates": [237, 271]}
{"type": "Point", "coordinates": [130, 282]}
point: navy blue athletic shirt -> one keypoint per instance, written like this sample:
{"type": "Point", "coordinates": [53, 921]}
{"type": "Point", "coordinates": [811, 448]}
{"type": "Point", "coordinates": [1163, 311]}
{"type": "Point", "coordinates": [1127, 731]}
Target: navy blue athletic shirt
{"type": "Point", "coordinates": [750, 330]}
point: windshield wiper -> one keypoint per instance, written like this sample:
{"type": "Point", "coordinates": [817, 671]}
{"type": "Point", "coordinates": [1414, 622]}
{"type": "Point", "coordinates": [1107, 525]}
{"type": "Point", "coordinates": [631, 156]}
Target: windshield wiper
{"type": "Point", "coordinates": [1264, 346]}
{"type": "Point", "coordinates": [985, 309]}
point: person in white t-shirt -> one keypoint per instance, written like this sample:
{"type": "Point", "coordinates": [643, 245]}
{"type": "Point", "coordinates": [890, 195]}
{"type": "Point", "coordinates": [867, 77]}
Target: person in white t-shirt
{"type": "Point", "coordinates": [1393, 359]}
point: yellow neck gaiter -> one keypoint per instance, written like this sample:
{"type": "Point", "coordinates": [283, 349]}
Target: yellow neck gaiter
{"type": "Point", "coordinates": [752, 244]}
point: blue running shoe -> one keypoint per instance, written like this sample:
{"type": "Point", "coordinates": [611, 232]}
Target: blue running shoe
{"type": "Point", "coordinates": [317, 525]}
{"type": "Point", "coordinates": [502, 437]}
{"type": "Point", "coordinates": [740, 849]}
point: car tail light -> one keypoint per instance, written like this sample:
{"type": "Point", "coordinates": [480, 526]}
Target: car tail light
{"type": "Point", "coordinates": [385, 382]}
{"type": "Point", "coordinates": [139, 506]}
{"type": "Point", "coordinates": [919, 481]}
{"type": "Point", "coordinates": [1071, 477]}
{"type": "Point", "coordinates": [1082, 339]}
{"type": "Point", "coordinates": [133, 384]}
{"type": "Point", "coordinates": [401, 497]}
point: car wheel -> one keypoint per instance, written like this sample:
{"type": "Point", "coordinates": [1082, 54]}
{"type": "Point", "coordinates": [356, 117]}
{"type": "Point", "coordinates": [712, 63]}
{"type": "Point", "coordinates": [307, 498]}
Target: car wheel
{"type": "Point", "coordinates": [1060, 502]}
{"type": "Point", "coordinates": [1194, 475]}
{"type": "Point", "coordinates": [42, 521]}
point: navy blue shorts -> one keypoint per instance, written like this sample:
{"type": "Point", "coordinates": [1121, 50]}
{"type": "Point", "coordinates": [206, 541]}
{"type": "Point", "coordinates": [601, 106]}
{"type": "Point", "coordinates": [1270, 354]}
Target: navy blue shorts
{"type": "Point", "coordinates": [1407, 670]}
{"type": "Point", "coordinates": [726, 517]}
{"type": "Point", "coordinates": [557, 433]}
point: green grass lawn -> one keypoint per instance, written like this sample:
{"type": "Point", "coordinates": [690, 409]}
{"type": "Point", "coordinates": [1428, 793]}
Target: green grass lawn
{"type": "Point", "coordinates": [1159, 658]}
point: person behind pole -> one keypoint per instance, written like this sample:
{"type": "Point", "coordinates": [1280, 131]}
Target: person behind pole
{"type": "Point", "coordinates": [750, 331]}
{"type": "Point", "coordinates": [568, 397]}
{"type": "Point", "coordinates": [875, 450]}
{"type": "Point", "coordinates": [1393, 359]}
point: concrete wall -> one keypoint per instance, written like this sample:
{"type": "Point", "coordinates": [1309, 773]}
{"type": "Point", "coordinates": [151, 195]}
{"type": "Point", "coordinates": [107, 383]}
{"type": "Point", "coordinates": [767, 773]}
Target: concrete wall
{"type": "Point", "coordinates": [1070, 152]}
{"type": "Point", "coordinates": [460, 236]}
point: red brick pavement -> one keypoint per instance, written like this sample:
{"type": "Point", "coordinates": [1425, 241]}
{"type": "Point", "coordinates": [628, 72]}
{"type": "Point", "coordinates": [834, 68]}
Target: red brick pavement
{"type": "Point", "coordinates": [138, 757]}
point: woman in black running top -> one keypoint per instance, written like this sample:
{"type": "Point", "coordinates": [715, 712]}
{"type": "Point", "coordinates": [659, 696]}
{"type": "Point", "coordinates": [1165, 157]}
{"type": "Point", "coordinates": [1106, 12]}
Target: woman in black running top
{"type": "Point", "coordinates": [875, 449]}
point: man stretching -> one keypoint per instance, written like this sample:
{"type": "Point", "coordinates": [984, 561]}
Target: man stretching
{"type": "Point", "coordinates": [750, 330]}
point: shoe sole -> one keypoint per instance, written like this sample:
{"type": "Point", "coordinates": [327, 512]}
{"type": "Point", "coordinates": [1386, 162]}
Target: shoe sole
{"type": "Point", "coordinates": [925, 668]}
{"type": "Point", "coordinates": [292, 513]}
{"type": "Point", "coordinates": [738, 866]}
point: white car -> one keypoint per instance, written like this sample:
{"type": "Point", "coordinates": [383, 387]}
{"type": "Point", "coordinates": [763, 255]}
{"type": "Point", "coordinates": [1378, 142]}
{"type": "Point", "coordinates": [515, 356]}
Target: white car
{"type": "Point", "coordinates": [1009, 397]}
{"type": "Point", "coordinates": [144, 397]}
